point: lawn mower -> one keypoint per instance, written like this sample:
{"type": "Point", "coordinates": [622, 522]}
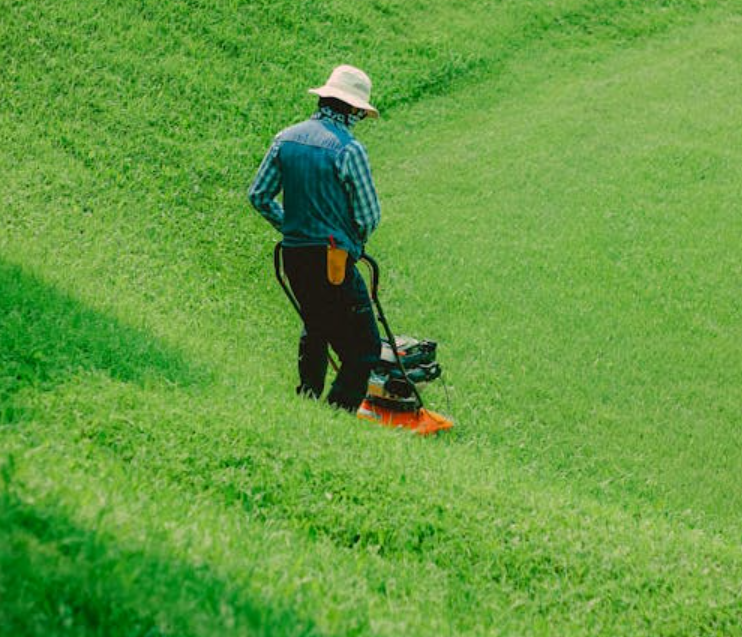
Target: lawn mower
{"type": "Point", "coordinates": [405, 366]}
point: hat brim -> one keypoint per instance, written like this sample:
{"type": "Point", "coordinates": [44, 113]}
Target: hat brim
{"type": "Point", "coordinates": [348, 98]}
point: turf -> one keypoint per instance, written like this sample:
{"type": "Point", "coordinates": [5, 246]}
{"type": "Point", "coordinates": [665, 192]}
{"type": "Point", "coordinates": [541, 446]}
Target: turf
{"type": "Point", "coordinates": [560, 185]}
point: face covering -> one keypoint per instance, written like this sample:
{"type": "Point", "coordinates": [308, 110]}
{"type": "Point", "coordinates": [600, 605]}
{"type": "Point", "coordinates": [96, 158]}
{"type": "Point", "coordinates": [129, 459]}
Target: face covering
{"type": "Point", "coordinates": [349, 120]}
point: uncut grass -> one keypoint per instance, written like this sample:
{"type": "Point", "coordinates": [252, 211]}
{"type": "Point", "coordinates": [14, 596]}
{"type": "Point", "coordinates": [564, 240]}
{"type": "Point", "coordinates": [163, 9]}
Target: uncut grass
{"type": "Point", "coordinates": [395, 530]}
{"type": "Point", "coordinates": [74, 580]}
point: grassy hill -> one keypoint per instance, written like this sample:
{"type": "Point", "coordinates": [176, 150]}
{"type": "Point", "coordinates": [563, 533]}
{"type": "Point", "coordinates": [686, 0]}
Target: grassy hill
{"type": "Point", "coordinates": [560, 184]}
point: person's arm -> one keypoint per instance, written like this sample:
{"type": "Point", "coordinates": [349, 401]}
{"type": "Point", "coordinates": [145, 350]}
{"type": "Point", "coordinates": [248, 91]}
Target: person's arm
{"type": "Point", "coordinates": [364, 200]}
{"type": "Point", "coordinates": [266, 186]}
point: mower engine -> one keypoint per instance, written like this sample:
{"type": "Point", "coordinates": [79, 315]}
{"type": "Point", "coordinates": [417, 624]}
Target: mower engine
{"type": "Point", "coordinates": [388, 388]}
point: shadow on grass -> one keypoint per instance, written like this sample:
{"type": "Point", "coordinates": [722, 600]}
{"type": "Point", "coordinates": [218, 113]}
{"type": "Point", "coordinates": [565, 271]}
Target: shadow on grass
{"type": "Point", "coordinates": [59, 579]}
{"type": "Point", "coordinates": [46, 336]}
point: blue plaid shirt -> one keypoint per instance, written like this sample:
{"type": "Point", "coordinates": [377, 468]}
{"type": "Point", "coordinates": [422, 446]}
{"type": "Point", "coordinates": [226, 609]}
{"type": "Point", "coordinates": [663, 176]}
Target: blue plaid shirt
{"type": "Point", "coordinates": [351, 165]}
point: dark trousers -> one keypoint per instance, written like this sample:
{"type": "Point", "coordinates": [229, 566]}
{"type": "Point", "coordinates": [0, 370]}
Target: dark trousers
{"type": "Point", "coordinates": [338, 315]}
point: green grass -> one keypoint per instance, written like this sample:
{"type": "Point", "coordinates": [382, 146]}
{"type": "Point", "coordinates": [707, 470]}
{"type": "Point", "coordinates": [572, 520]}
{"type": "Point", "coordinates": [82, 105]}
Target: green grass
{"type": "Point", "coordinates": [612, 299]}
{"type": "Point", "coordinates": [560, 185]}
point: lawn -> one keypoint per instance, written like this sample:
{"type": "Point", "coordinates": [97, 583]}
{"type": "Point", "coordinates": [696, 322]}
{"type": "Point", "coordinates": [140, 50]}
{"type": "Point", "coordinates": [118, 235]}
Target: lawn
{"type": "Point", "coordinates": [560, 185]}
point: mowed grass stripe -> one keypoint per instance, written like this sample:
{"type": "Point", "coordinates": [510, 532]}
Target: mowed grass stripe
{"type": "Point", "coordinates": [588, 237]}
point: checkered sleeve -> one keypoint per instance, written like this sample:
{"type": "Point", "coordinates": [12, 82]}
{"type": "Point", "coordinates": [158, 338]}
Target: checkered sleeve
{"type": "Point", "coordinates": [266, 186]}
{"type": "Point", "coordinates": [365, 202]}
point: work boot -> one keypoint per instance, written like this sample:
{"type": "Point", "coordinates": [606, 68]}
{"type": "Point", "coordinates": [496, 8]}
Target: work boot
{"type": "Point", "coordinates": [349, 388]}
{"type": "Point", "coordinates": [307, 392]}
{"type": "Point", "coordinates": [344, 405]}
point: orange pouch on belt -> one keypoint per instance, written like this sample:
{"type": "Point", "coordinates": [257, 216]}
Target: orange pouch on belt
{"type": "Point", "coordinates": [336, 259]}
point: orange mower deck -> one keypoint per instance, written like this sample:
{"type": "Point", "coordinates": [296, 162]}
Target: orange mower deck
{"type": "Point", "coordinates": [422, 421]}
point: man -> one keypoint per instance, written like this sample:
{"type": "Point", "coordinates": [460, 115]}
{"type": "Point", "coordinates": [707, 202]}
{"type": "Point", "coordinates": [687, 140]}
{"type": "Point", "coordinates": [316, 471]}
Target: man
{"type": "Point", "coordinates": [330, 208]}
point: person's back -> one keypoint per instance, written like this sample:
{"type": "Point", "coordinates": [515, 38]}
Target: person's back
{"type": "Point", "coordinates": [316, 201]}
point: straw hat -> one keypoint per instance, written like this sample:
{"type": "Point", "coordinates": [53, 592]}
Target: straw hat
{"type": "Point", "coordinates": [350, 85]}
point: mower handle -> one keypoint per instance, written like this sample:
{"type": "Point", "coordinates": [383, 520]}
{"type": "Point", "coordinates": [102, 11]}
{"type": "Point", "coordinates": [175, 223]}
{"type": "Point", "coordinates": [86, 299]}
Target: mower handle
{"type": "Point", "coordinates": [374, 270]}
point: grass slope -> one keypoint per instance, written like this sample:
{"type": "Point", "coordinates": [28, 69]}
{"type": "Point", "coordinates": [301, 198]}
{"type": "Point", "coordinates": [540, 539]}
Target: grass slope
{"type": "Point", "coordinates": [596, 242]}
{"type": "Point", "coordinates": [567, 173]}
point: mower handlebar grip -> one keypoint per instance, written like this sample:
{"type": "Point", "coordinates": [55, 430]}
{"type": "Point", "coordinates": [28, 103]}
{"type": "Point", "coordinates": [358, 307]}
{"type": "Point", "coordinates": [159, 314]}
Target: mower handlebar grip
{"type": "Point", "coordinates": [277, 261]}
{"type": "Point", "coordinates": [374, 267]}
